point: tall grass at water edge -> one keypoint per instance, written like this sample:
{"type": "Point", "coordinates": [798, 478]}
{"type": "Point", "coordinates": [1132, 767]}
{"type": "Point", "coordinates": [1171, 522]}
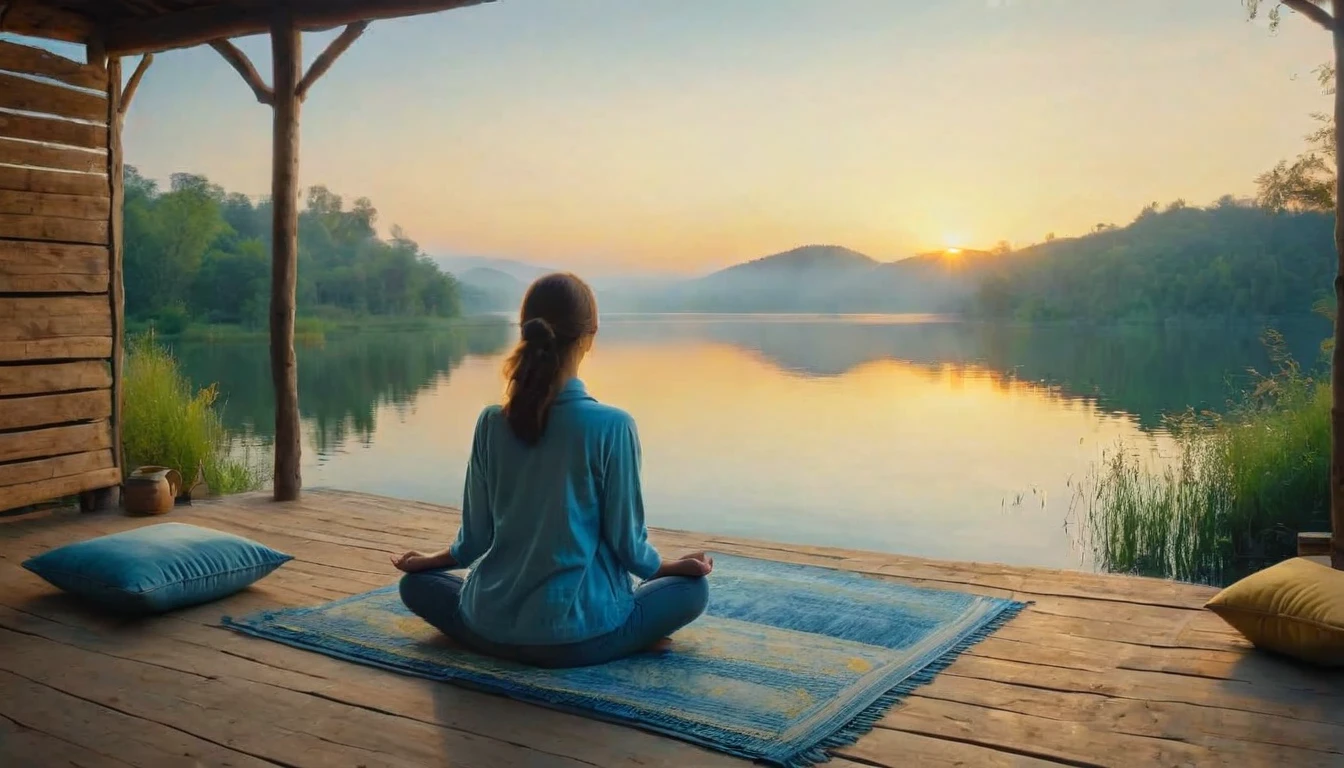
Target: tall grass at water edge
{"type": "Point", "coordinates": [1233, 498]}
{"type": "Point", "coordinates": [165, 422]}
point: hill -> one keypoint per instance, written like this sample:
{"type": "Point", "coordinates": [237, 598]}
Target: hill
{"type": "Point", "coordinates": [1228, 260]}
{"type": "Point", "coordinates": [485, 289]}
{"type": "Point", "coordinates": [824, 279]}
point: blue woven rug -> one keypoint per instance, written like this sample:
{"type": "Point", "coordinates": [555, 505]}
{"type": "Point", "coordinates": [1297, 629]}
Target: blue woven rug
{"type": "Point", "coordinates": [788, 661]}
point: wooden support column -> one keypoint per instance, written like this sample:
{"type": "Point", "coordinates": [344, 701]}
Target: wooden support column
{"type": "Point", "coordinates": [286, 54]}
{"type": "Point", "coordinates": [108, 498]}
{"type": "Point", "coordinates": [1337, 356]}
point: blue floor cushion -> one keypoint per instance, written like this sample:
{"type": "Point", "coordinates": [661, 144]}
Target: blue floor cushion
{"type": "Point", "coordinates": [157, 568]}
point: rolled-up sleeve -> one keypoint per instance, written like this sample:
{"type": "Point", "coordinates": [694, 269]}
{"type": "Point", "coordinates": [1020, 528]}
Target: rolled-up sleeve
{"type": "Point", "coordinates": [478, 525]}
{"type": "Point", "coordinates": [623, 526]}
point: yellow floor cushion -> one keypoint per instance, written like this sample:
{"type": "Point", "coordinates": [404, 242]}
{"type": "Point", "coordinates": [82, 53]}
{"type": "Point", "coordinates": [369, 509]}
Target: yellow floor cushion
{"type": "Point", "coordinates": [1295, 608]}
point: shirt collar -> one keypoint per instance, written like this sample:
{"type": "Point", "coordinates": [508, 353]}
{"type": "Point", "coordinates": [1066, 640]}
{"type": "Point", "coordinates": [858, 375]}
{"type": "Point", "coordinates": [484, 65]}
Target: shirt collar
{"type": "Point", "coordinates": [571, 391]}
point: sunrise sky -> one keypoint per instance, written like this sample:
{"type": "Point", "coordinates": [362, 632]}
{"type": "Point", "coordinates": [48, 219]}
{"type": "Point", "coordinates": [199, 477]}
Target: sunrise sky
{"type": "Point", "coordinates": [680, 136]}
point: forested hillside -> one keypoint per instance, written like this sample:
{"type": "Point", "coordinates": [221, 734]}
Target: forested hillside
{"type": "Point", "coordinates": [195, 252]}
{"type": "Point", "coordinates": [1227, 260]}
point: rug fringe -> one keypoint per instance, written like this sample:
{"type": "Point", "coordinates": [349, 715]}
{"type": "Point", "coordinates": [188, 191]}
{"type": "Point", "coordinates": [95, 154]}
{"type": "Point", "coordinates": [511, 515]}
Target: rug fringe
{"type": "Point", "coordinates": [864, 722]}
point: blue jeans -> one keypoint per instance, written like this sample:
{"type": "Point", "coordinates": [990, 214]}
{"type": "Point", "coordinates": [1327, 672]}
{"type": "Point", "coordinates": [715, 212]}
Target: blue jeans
{"type": "Point", "coordinates": [662, 606]}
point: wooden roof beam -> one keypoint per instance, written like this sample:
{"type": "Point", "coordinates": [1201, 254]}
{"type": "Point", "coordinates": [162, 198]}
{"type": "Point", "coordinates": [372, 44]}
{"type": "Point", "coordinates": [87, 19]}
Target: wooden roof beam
{"type": "Point", "coordinates": [41, 20]}
{"type": "Point", "coordinates": [328, 57]}
{"type": "Point", "coordinates": [251, 76]}
{"type": "Point", "coordinates": [207, 24]}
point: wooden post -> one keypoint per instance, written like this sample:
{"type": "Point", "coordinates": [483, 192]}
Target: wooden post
{"type": "Point", "coordinates": [107, 498]}
{"type": "Point", "coordinates": [1337, 357]}
{"type": "Point", "coordinates": [287, 57]}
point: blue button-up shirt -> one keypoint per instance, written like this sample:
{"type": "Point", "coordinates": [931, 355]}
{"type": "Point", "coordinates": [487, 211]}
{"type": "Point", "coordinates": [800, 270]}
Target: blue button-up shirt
{"type": "Point", "coordinates": [555, 529]}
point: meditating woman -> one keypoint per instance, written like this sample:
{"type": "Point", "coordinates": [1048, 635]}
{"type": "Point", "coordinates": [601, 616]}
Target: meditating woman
{"type": "Point", "coordinates": [553, 515]}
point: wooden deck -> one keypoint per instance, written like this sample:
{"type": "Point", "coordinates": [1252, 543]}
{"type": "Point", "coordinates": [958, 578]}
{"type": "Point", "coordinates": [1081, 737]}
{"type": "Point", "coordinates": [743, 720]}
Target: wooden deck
{"type": "Point", "coordinates": [1102, 670]}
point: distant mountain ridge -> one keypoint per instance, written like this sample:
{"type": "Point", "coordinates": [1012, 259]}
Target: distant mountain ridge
{"type": "Point", "coordinates": [827, 279]}
{"type": "Point", "coordinates": [807, 279]}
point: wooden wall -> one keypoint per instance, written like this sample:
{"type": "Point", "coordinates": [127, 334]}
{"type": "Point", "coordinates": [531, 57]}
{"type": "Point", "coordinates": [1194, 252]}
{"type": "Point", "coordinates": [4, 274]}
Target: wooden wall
{"type": "Point", "coordinates": [60, 276]}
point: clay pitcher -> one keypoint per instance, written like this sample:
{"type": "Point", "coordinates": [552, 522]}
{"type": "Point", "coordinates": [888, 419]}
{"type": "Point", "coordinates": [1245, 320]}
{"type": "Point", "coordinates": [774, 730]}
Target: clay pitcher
{"type": "Point", "coordinates": [151, 490]}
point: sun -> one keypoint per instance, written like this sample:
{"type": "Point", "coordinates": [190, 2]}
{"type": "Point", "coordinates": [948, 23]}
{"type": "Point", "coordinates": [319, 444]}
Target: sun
{"type": "Point", "coordinates": [954, 243]}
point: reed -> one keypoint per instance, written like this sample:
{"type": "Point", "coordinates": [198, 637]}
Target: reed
{"type": "Point", "coordinates": [1233, 498]}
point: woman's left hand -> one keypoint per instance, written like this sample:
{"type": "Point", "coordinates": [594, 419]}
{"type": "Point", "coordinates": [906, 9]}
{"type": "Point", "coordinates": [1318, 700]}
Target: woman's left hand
{"type": "Point", "coordinates": [414, 562]}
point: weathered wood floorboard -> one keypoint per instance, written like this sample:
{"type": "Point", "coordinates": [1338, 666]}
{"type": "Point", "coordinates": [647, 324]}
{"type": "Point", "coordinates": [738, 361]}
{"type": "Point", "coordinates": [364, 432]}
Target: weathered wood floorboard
{"type": "Point", "coordinates": [1099, 671]}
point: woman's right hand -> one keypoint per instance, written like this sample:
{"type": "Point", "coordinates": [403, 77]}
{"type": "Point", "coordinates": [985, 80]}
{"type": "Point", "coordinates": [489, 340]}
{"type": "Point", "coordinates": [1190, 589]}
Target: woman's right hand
{"type": "Point", "coordinates": [694, 565]}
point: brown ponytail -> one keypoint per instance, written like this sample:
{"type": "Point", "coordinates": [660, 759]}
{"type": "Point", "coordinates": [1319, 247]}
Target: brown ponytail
{"type": "Point", "coordinates": [559, 312]}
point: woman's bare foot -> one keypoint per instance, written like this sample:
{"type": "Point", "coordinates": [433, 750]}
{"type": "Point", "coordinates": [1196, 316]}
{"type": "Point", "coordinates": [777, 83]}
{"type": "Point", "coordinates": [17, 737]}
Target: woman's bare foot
{"type": "Point", "coordinates": [662, 646]}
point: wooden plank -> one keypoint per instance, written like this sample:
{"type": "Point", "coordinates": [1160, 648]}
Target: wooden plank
{"type": "Point", "coordinates": [48, 204]}
{"type": "Point", "coordinates": [49, 99]}
{"type": "Point", "coordinates": [56, 377]}
{"type": "Point", "coordinates": [1313, 544]}
{"type": "Point", "coordinates": [27, 153]}
{"type": "Point", "coordinates": [100, 731]}
{"type": "Point", "coordinates": [34, 328]}
{"type": "Point", "coordinates": [41, 410]}
{"type": "Point", "coordinates": [22, 745]}
{"type": "Point", "coordinates": [1290, 741]}
{"type": "Point", "coordinates": [116, 180]}
{"type": "Point", "coordinates": [1040, 737]}
{"type": "Point", "coordinates": [12, 308]}
{"type": "Point", "coordinates": [44, 180]}
{"type": "Point", "coordinates": [53, 229]}
{"type": "Point", "coordinates": [1227, 694]}
{"type": "Point", "coordinates": [15, 496]}
{"type": "Point", "coordinates": [55, 283]}
{"type": "Point", "coordinates": [74, 348]}
{"type": "Point", "coordinates": [16, 57]}
{"type": "Point", "coordinates": [247, 716]}
{"type": "Point", "coordinates": [199, 648]}
{"type": "Point", "coordinates": [53, 130]}
{"type": "Point", "coordinates": [55, 441]}
{"type": "Point", "coordinates": [19, 473]}
{"type": "Point", "coordinates": [24, 258]}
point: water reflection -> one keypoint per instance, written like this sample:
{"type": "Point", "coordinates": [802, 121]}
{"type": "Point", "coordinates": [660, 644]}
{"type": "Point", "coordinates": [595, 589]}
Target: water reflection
{"type": "Point", "coordinates": [343, 381]}
{"type": "Point", "coordinates": [933, 438]}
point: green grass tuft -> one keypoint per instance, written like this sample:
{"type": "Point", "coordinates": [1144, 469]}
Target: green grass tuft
{"type": "Point", "coordinates": [1232, 501]}
{"type": "Point", "coordinates": [165, 422]}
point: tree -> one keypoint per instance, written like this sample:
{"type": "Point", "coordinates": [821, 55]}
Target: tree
{"type": "Point", "coordinates": [1332, 21]}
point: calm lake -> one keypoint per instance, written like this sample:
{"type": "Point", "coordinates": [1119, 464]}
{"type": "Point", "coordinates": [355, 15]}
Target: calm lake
{"type": "Point", "coordinates": [905, 434]}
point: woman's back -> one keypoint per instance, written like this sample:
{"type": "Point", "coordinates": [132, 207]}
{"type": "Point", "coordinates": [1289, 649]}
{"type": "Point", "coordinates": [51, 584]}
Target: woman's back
{"type": "Point", "coordinates": [558, 526]}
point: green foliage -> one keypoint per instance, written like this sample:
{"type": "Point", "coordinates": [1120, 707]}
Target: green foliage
{"type": "Point", "coordinates": [166, 423]}
{"type": "Point", "coordinates": [197, 254]}
{"type": "Point", "coordinates": [1233, 500]}
{"type": "Point", "coordinates": [1227, 260]}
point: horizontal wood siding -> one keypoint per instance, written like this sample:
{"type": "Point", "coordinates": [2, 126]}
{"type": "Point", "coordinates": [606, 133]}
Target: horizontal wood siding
{"type": "Point", "coordinates": [48, 204]}
{"type": "Point", "coordinates": [16, 57]}
{"type": "Point", "coordinates": [57, 329]}
{"type": "Point", "coordinates": [47, 410]}
{"type": "Point", "coordinates": [18, 152]}
{"type": "Point", "coordinates": [43, 180]}
{"type": "Point", "coordinates": [69, 132]}
{"type": "Point", "coordinates": [55, 441]}
{"type": "Point", "coordinates": [22, 472]}
{"type": "Point", "coordinates": [50, 99]}
{"type": "Point", "coordinates": [56, 349]}
{"type": "Point", "coordinates": [55, 377]}
{"type": "Point", "coordinates": [53, 229]}
{"type": "Point", "coordinates": [14, 496]}
{"type": "Point", "coordinates": [18, 258]}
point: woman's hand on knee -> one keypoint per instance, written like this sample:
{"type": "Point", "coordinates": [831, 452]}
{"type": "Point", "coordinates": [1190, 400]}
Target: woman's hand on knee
{"type": "Point", "coordinates": [693, 565]}
{"type": "Point", "coordinates": [414, 562]}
